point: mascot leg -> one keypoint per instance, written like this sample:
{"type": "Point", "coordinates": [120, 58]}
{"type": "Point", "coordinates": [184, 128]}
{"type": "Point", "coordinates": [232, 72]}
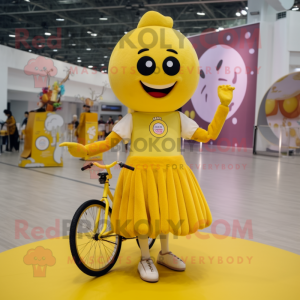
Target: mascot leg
{"type": "Point", "coordinates": [146, 267]}
{"type": "Point", "coordinates": [164, 242]}
{"type": "Point", "coordinates": [143, 241]}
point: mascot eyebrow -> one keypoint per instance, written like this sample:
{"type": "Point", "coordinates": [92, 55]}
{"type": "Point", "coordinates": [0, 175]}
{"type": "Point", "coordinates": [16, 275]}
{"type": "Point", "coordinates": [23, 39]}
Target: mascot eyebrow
{"type": "Point", "coordinates": [143, 50]}
{"type": "Point", "coordinates": [146, 49]}
{"type": "Point", "coordinates": [171, 50]}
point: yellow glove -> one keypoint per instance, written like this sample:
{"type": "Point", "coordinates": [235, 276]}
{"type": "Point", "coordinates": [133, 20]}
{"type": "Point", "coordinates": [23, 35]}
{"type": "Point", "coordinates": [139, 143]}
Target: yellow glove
{"type": "Point", "coordinates": [75, 149]}
{"type": "Point", "coordinates": [225, 93]}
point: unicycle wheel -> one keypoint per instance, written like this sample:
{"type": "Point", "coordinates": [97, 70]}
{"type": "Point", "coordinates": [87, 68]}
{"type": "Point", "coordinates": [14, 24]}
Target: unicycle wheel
{"type": "Point", "coordinates": [93, 256]}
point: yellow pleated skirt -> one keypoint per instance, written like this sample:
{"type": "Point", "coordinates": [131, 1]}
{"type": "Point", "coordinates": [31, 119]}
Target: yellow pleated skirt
{"type": "Point", "coordinates": [161, 195]}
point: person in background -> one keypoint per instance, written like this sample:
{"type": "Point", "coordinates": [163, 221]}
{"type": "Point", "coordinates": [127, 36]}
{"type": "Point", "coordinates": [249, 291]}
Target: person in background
{"type": "Point", "coordinates": [101, 128]}
{"type": "Point", "coordinates": [101, 121]}
{"type": "Point", "coordinates": [110, 121]}
{"type": "Point", "coordinates": [119, 119]}
{"type": "Point", "coordinates": [109, 125]}
{"type": "Point", "coordinates": [86, 108]}
{"type": "Point", "coordinates": [41, 107]}
{"type": "Point", "coordinates": [26, 114]}
{"type": "Point", "coordinates": [12, 130]}
{"type": "Point", "coordinates": [75, 121]}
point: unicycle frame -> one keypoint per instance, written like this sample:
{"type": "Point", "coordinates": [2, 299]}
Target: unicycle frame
{"type": "Point", "coordinates": [106, 193]}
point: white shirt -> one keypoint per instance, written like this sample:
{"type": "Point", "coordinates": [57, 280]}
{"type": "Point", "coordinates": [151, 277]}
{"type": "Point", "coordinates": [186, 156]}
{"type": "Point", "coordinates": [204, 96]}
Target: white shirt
{"type": "Point", "coordinates": [124, 127]}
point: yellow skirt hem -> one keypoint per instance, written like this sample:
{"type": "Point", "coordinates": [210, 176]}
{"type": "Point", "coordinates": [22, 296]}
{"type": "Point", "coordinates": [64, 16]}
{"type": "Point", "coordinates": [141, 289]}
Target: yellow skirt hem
{"type": "Point", "coordinates": [161, 195]}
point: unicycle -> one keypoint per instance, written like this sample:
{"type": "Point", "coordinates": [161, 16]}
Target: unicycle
{"type": "Point", "coordinates": [94, 246]}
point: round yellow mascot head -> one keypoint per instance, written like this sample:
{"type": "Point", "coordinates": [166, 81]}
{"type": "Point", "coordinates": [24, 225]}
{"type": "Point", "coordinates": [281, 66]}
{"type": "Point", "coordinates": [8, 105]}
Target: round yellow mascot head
{"type": "Point", "coordinates": [154, 68]}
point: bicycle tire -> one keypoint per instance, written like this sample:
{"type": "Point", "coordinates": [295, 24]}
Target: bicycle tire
{"type": "Point", "coordinates": [72, 239]}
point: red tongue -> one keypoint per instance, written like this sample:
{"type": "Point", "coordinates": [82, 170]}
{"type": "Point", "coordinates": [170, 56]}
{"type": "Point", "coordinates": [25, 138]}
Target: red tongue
{"type": "Point", "coordinates": [157, 94]}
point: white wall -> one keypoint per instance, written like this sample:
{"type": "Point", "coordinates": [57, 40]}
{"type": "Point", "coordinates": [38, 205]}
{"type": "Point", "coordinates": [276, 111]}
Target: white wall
{"type": "Point", "coordinates": [68, 109]}
{"type": "Point", "coordinates": [286, 45]}
{"type": "Point", "coordinates": [265, 63]}
{"type": "Point", "coordinates": [3, 83]}
{"type": "Point", "coordinates": [266, 12]}
{"type": "Point", "coordinates": [16, 85]}
{"type": "Point", "coordinates": [280, 45]}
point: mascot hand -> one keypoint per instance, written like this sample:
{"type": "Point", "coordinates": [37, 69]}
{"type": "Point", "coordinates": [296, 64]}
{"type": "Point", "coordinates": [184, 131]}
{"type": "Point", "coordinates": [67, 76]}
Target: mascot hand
{"type": "Point", "coordinates": [225, 93]}
{"type": "Point", "coordinates": [75, 149]}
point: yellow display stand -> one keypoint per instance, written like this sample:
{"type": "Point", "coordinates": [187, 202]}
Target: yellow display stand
{"type": "Point", "coordinates": [87, 131]}
{"type": "Point", "coordinates": [42, 138]}
{"type": "Point", "coordinates": [216, 269]}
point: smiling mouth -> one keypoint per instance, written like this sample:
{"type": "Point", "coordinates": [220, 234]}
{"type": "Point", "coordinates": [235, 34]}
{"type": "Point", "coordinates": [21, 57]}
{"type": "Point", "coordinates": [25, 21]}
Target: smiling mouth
{"type": "Point", "coordinates": [157, 91]}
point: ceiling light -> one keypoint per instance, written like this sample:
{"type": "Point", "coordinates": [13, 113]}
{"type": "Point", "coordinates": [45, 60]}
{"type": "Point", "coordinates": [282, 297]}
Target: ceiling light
{"type": "Point", "coordinates": [105, 56]}
{"type": "Point", "coordinates": [244, 12]}
{"type": "Point", "coordinates": [78, 60]}
{"type": "Point", "coordinates": [201, 13]}
{"type": "Point", "coordinates": [102, 64]}
{"type": "Point", "coordinates": [60, 20]}
{"type": "Point", "coordinates": [29, 50]}
{"type": "Point", "coordinates": [12, 35]}
{"type": "Point", "coordinates": [125, 32]}
{"type": "Point", "coordinates": [88, 49]}
{"type": "Point", "coordinates": [246, 7]}
{"type": "Point", "coordinates": [220, 28]}
{"type": "Point", "coordinates": [55, 50]}
{"type": "Point", "coordinates": [40, 46]}
{"type": "Point", "coordinates": [94, 34]}
{"type": "Point", "coordinates": [73, 45]}
{"type": "Point", "coordinates": [47, 33]}
{"type": "Point", "coordinates": [27, 0]}
{"type": "Point", "coordinates": [295, 8]}
{"type": "Point", "coordinates": [238, 14]}
{"type": "Point", "coordinates": [89, 31]}
{"type": "Point", "coordinates": [103, 19]}
{"type": "Point", "coordinates": [90, 67]}
{"type": "Point", "coordinates": [78, 57]}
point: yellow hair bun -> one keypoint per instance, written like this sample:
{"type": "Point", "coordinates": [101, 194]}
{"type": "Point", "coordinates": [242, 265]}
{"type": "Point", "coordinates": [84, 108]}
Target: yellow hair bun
{"type": "Point", "coordinates": [153, 18]}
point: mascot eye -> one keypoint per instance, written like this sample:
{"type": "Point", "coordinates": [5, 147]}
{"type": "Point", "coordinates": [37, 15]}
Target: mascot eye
{"type": "Point", "coordinates": [171, 66]}
{"type": "Point", "coordinates": [146, 65]}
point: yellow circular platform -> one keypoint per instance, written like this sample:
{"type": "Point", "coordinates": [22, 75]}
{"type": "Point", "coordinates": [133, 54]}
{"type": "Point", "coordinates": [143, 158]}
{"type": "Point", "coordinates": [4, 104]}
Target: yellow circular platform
{"type": "Point", "coordinates": [227, 268]}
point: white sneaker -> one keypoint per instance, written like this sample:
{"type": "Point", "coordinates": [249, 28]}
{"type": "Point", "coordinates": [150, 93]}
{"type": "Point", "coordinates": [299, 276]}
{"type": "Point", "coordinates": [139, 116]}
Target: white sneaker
{"type": "Point", "coordinates": [170, 261]}
{"type": "Point", "coordinates": [147, 270]}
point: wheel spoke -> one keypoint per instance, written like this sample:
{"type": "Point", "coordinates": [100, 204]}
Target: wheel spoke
{"type": "Point", "coordinates": [108, 241]}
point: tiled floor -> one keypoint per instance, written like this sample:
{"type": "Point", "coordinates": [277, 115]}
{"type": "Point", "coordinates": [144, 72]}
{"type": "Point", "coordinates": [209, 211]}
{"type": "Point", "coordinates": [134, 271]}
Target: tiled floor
{"type": "Point", "coordinates": [260, 192]}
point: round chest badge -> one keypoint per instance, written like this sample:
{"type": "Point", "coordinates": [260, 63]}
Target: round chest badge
{"type": "Point", "coordinates": [158, 128]}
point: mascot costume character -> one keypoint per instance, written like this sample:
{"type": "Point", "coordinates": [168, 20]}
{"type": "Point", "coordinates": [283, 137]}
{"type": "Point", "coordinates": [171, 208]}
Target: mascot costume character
{"type": "Point", "coordinates": [154, 70]}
